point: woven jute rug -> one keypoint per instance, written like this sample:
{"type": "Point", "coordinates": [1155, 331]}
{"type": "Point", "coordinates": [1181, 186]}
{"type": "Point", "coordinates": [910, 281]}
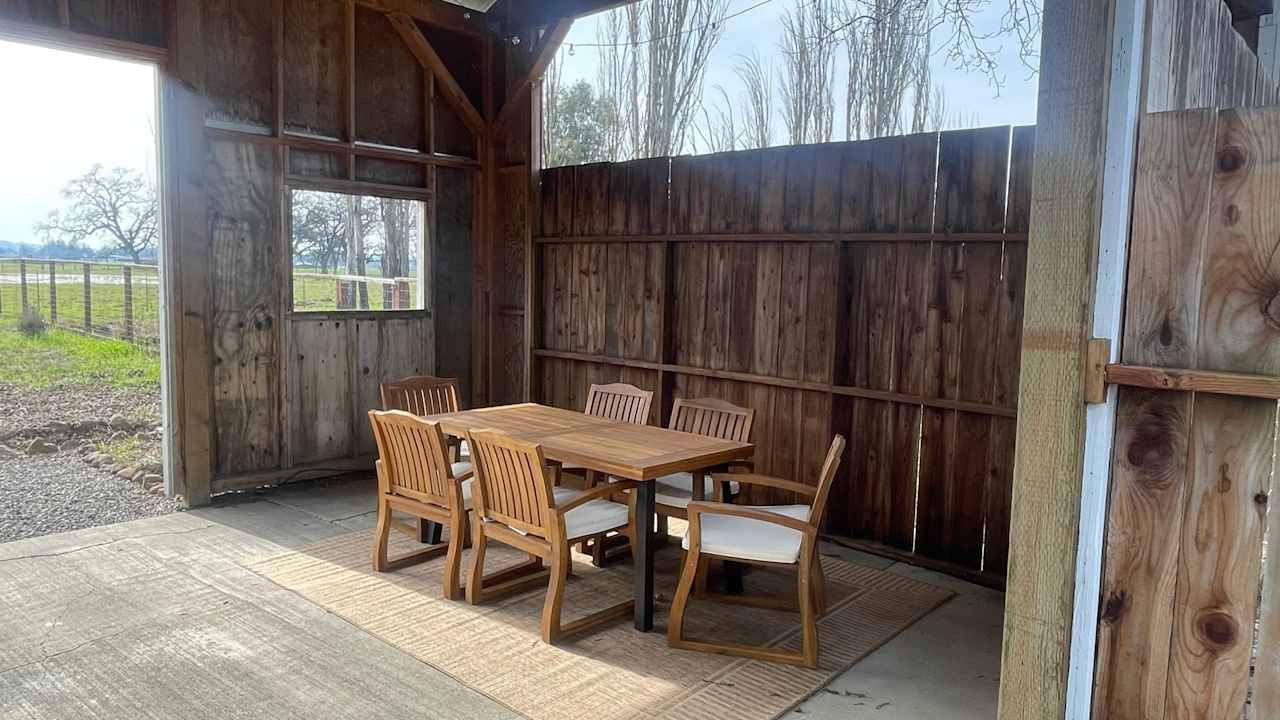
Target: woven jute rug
{"type": "Point", "coordinates": [615, 671]}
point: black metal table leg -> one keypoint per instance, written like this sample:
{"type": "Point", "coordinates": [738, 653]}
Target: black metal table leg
{"type": "Point", "coordinates": [429, 532]}
{"type": "Point", "coordinates": [732, 570]}
{"type": "Point", "coordinates": [644, 552]}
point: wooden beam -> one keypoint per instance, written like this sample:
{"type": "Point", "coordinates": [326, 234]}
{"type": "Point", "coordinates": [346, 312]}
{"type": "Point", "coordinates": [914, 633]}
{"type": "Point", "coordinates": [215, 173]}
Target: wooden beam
{"type": "Point", "coordinates": [446, 84]}
{"type": "Point", "coordinates": [1266, 387]}
{"type": "Point", "coordinates": [542, 58]}
{"type": "Point", "coordinates": [61, 39]}
{"type": "Point", "coordinates": [1066, 211]}
{"type": "Point", "coordinates": [809, 237]}
{"type": "Point", "coordinates": [530, 15]}
{"type": "Point", "coordinates": [433, 12]}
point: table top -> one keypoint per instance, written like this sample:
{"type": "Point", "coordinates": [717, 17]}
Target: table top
{"type": "Point", "coordinates": [635, 452]}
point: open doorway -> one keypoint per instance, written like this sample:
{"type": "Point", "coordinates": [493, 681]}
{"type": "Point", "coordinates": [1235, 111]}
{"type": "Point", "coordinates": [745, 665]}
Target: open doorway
{"type": "Point", "coordinates": [81, 288]}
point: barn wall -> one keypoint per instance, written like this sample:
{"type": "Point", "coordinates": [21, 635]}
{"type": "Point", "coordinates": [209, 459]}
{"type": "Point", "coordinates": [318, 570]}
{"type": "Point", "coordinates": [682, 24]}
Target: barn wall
{"type": "Point", "coordinates": [259, 97]}
{"type": "Point", "coordinates": [872, 289]}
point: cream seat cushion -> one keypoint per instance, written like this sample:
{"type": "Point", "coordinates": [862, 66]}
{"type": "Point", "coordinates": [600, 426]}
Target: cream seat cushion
{"type": "Point", "coordinates": [748, 539]}
{"type": "Point", "coordinates": [676, 490]}
{"type": "Point", "coordinates": [594, 518]}
{"type": "Point", "coordinates": [460, 468]}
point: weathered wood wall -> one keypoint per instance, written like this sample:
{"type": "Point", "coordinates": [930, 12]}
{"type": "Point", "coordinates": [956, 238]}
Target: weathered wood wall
{"type": "Point", "coordinates": [1189, 596]}
{"type": "Point", "coordinates": [871, 288]}
{"type": "Point", "coordinates": [259, 98]}
{"type": "Point", "coordinates": [1197, 59]}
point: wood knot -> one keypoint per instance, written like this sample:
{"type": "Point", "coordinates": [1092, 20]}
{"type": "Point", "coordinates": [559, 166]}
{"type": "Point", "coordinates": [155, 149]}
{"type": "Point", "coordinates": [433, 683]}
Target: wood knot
{"type": "Point", "coordinates": [1216, 629]}
{"type": "Point", "coordinates": [1153, 449]}
{"type": "Point", "coordinates": [1230, 159]}
{"type": "Point", "coordinates": [1166, 332]}
{"type": "Point", "coordinates": [1271, 311]}
{"type": "Point", "coordinates": [1231, 214]}
{"type": "Point", "coordinates": [1114, 608]}
{"type": "Point", "coordinates": [1224, 479]}
{"type": "Point", "coordinates": [1260, 499]}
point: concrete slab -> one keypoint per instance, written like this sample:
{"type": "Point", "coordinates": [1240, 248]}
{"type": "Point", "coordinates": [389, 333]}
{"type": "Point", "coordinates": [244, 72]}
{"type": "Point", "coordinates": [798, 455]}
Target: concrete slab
{"type": "Point", "coordinates": [158, 618]}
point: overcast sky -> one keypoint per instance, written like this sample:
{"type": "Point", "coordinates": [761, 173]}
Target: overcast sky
{"type": "Point", "coordinates": [71, 111]}
{"type": "Point", "coordinates": [970, 94]}
{"type": "Point", "coordinates": [66, 113]}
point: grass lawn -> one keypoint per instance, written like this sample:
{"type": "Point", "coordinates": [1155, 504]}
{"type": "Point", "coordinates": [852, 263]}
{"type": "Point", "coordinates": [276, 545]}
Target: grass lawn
{"type": "Point", "coordinates": [61, 357]}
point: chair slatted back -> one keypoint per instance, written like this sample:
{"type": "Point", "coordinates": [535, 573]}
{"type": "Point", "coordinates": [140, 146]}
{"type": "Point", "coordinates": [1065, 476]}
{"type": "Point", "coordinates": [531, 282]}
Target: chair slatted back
{"type": "Point", "coordinates": [620, 402]}
{"type": "Point", "coordinates": [513, 485]}
{"type": "Point", "coordinates": [421, 395]}
{"type": "Point", "coordinates": [713, 418]}
{"type": "Point", "coordinates": [826, 479]}
{"type": "Point", "coordinates": [414, 457]}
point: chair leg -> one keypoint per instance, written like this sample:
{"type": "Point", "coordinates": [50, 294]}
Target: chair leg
{"type": "Point", "coordinates": [680, 601]}
{"type": "Point", "coordinates": [808, 621]}
{"type": "Point", "coordinates": [819, 586]}
{"type": "Point", "coordinates": [453, 558]}
{"type": "Point", "coordinates": [382, 536]}
{"type": "Point", "coordinates": [476, 578]}
{"type": "Point", "coordinates": [700, 576]}
{"type": "Point", "coordinates": [560, 562]}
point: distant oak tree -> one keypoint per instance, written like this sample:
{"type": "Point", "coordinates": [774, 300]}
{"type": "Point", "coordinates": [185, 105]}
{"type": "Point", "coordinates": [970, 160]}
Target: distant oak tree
{"type": "Point", "coordinates": [116, 205]}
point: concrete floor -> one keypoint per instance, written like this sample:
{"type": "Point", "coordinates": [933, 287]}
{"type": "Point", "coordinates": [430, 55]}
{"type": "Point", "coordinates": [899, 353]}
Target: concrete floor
{"type": "Point", "coordinates": [157, 619]}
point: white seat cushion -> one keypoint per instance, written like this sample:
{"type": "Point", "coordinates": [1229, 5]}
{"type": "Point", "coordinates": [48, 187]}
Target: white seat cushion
{"type": "Point", "coordinates": [677, 490]}
{"type": "Point", "coordinates": [748, 539]}
{"type": "Point", "coordinates": [464, 450]}
{"type": "Point", "coordinates": [458, 469]}
{"type": "Point", "coordinates": [596, 517]}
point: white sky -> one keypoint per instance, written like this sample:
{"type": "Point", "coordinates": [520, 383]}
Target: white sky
{"type": "Point", "coordinates": [968, 93]}
{"type": "Point", "coordinates": [67, 112]}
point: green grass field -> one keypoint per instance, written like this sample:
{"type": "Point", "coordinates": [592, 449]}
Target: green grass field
{"type": "Point", "coordinates": [106, 297]}
{"type": "Point", "coordinates": [60, 357]}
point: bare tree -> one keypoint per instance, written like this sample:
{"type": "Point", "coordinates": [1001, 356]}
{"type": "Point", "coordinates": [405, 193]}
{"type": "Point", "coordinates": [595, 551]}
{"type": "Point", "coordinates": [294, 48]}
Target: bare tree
{"type": "Point", "coordinates": [551, 82]}
{"type": "Point", "coordinates": [399, 235]}
{"type": "Point", "coordinates": [757, 104]}
{"type": "Point", "coordinates": [673, 40]}
{"type": "Point", "coordinates": [615, 75]}
{"type": "Point", "coordinates": [887, 42]}
{"type": "Point", "coordinates": [718, 131]}
{"type": "Point", "coordinates": [808, 55]}
{"type": "Point", "coordinates": [116, 205]}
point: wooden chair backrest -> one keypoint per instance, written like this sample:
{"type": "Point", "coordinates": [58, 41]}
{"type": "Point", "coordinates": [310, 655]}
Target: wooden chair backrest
{"type": "Point", "coordinates": [826, 479]}
{"type": "Point", "coordinates": [414, 457]}
{"type": "Point", "coordinates": [513, 484]}
{"type": "Point", "coordinates": [421, 395]}
{"type": "Point", "coordinates": [621, 402]}
{"type": "Point", "coordinates": [713, 418]}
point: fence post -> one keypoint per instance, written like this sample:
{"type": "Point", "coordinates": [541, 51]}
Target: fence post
{"type": "Point", "coordinates": [88, 298]}
{"type": "Point", "coordinates": [128, 303]}
{"type": "Point", "coordinates": [403, 301]}
{"type": "Point", "coordinates": [53, 292]}
{"type": "Point", "coordinates": [22, 280]}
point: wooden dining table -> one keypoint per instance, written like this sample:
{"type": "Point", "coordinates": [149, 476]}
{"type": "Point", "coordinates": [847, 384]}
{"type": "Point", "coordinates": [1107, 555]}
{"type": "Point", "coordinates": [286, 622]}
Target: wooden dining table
{"type": "Point", "coordinates": [633, 452]}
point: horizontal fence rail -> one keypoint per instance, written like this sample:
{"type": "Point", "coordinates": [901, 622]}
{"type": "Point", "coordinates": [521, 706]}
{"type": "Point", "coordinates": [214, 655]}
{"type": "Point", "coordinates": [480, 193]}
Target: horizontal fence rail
{"type": "Point", "coordinates": [119, 301]}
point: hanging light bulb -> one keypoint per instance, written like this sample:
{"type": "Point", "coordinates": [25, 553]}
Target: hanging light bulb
{"type": "Point", "coordinates": [515, 39]}
{"type": "Point", "coordinates": [570, 49]}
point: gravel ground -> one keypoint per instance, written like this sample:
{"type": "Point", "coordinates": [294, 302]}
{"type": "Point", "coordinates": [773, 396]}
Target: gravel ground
{"type": "Point", "coordinates": [56, 493]}
{"type": "Point", "coordinates": [26, 408]}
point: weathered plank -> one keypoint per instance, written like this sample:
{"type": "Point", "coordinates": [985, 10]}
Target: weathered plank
{"type": "Point", "coordinates": [313, 67]}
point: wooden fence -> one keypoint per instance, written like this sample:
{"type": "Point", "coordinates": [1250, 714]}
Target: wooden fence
{"type": "Point", "coordinates": [110, 300]}
{"type": "Point", "coordinates": [869, 288]}
{"type": "Point", "coordinates": [1190, 622]}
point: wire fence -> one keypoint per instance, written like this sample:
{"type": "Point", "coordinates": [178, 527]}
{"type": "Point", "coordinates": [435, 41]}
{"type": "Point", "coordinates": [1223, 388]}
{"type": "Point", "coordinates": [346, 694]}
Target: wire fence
{"type": "Point", "coordinates": [317, 292]}
{"type": "Point", "coordinates": [110, 300]}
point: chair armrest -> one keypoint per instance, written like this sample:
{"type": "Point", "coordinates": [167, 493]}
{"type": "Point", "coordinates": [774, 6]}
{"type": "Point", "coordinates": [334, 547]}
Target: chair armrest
{"type": "Point", "coordinates": [465, 473]}
{"type": "Point", "coordinates": [766, 481]}
{"type": "Point", "coordinates": [750, 513]}
{"type": "Point", "coordinates": [595, 493]}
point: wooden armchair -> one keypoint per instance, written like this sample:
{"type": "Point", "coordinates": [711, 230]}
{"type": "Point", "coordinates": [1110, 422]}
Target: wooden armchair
{"type": "Point", "coordinates": [713, 418]}
{"type": "Point", "coordinates": [780, 535]}
{"type": "Point", "coordinates": [416, 477]}
{"type": "Point", "coordinates": [517, 504]}
{"type": "Point", "coordinates": [617, 401]}
{"type": "Point", "coordinates": [424, 395]}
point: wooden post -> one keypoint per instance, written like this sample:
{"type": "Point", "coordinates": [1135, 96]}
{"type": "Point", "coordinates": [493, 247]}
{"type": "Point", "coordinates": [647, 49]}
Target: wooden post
{"type": "Point", "coordinates": [87, 269]}
{"type": "Point", "coordinates": [53, 292]}
{"type": "Point", "coordinates": [128, 303]}
{"type": "Point", "coordinates": [22, 281]}
{"type": "Point", "coordinates": [404, 298]}
{"type": "Point", "coordinates": [1066, 209]}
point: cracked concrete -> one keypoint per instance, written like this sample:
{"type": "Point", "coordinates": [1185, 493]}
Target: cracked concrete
{"type": "Point", "coordinates": [157, 618]}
